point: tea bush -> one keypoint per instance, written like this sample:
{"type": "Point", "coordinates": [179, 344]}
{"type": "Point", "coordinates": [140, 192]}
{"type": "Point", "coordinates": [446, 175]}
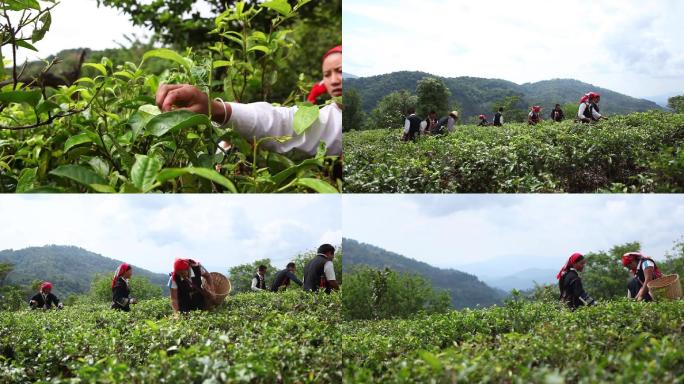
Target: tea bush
{"type": "Point", "coordinates": [103, 133]}
{"type": "Point", "coordinates": [522, 342]}
{"type": "Point", "coordinates": [639, 152]}
{"type": "Point", "coordinates": [291, 337]}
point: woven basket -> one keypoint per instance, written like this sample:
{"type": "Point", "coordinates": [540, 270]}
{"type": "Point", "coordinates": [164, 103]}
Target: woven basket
{"type": "Point", "coordinates": [666, 288]}
{"type": "Point", "coordinates": [217, 291]}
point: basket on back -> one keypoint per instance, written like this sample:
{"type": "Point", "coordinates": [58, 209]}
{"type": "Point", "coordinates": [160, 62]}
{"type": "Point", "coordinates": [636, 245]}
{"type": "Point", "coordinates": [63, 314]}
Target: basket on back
{"type": "Point", "coordinates": [666, 288]}
{"type": "Point", "coordinates": [217, 291]}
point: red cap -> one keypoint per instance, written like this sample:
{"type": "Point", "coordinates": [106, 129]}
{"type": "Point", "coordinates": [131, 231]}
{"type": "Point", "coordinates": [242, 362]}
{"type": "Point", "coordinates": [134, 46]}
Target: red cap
{"type": "Point", "coordinates": [536, 109]}
{"type": "Point", "coordinates": [46, 285]}
{"type": "Point", "coordinates": [181, 265]}
{"type": "Point", "coordinates": [337, 49]}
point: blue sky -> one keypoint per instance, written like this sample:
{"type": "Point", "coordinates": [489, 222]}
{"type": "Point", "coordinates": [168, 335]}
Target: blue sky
{"type": "Point", "coordinates": [150, 231]}
{"type": "Point", "coordinates": [458, 231]}
{"type": "Point", "coordinates": [630, 46]}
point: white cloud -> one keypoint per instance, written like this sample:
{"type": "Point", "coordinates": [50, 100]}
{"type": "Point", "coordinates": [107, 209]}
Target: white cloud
{"type": "Point", "coordinates": [150, 231]}
{"type": "Point", "coordinates": [621, 45]}
{"type": "Point", "coordinates": [478, 228]}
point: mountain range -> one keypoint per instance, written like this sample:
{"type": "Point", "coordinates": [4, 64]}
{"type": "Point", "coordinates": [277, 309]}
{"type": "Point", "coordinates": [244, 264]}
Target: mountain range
{"type": "Point", "coordinates": [466, 290]}
{"type": "Point", "coordinates": [476, 96]}
{"type": "Point", "coordinates": [70, 269]}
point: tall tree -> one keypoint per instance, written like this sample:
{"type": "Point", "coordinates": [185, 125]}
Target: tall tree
{"type": "Point", "coordinates": [433, 95]}
{"type": "Point", "coordinates": [604, 276]}
{"type": "Point", "coordinates": [676, 103]}
{"type": "Point", "coordinates": [352, 115]}
{"type": "Point", "coordinates": [391, 110]}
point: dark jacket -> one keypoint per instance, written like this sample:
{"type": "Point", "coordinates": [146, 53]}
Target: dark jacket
{"type": "Point", "coordinates": [44, 302]}
{"type": "Point", "coordinates": [497, 119]}
{"type": "Point", "coordinates": [314, 274]}
{"type": "Point", "coordinates": [557, 115]}
{"type": "Point", "coordinates": [283, 278]}
{"type": "Point", "coordinates": [190, 296]}
{"type": "Point", "coordinates": [571, 290]}
{"type": "Point", "coordinates": [121, 295]}
{"type": "Point", "coordinates": [261, 281]}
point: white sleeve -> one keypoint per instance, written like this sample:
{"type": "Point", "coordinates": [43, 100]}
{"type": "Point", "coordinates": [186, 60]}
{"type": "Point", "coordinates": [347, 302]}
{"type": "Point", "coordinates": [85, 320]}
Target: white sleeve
{"type": "Point", "coordinates": [172, 284]}
{"type": "Point", "coordinates": [254, 284]}
{"type": "Point", "coordinates": [329, 271]}
{"type": "Point", "coordinates": [595, 114]}
{"type": "Point", "coordinates": [407, 125]}
{"type": "Point", "coordinates": [264, 120]}
{"type": "Point", "coordinates": [501, 119]}
{"type": "Point", "coordinates": [580, 112]}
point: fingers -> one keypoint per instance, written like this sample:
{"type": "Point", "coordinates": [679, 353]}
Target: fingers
{"type": "Point", "coordinates": [163, 90]}
{"type": "Point", "coordinates": [175, 97]}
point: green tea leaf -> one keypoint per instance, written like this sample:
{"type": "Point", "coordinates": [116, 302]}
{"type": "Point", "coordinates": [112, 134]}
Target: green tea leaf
{"type": "Point", "coordinates": [73, 141]}
{"type": "Point", "coordinates": [79, 174]}
{"type": "Point", "coordinates": [101, 68]}
{"type": "Point", "coordinates": [167, 54]}
{"type": "Point", "coordinates": [280, 6]}
{"type": "Point", "coordinates": [144, 172]}
{"type": "Point", "coordinates": [206, 173]}
{"type": "Point", "coordinates": [305, 116]}
{"type": "Point", "coordinates": [174, 120]}
{"type": "Point", "coordinates": [29, 97]}
{"type": "Point", "coordinates": [19, 5]}
{"type": "Point", "coordinates": [317, 185]}
{"type": "Point", "coordinates": [39, 33]}
{"type": "Point", "coordinates": [26, 180]}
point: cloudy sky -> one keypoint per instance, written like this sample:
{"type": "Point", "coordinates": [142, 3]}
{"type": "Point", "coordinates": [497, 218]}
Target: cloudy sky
{"type": "Point", "coordinates": [478, 232]}
{"type": "Point", "coordinates": [630, 46]}
{"type": "Point", "coordinates": [80, 23]}
{"type": "Point", "coordinates": [150, 231]}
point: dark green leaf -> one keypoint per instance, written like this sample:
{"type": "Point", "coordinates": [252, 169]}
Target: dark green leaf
{"type": "Point", "coordinates": [305, 116]}
{"type": "Point", "coordinates": [175, 120]}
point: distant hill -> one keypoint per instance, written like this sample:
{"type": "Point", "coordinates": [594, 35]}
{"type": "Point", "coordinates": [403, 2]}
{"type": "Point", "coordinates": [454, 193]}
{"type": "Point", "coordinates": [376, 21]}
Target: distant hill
{"type": "Point", "coordinates": [69, 268]}
{"type": "Point", "coordinates": [522, 280]}
{"type": "Point", "coordinates": [478, 95]}
{"type": "Point", "coordinates": [466, 290]}
{"type": "Point", "coordinates": [346, 76]}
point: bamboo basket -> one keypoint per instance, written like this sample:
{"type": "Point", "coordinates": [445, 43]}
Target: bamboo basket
{"type": "Point", "coordinates": [665, 288]}
{"type": "Point", "coordinates": [217, 291]}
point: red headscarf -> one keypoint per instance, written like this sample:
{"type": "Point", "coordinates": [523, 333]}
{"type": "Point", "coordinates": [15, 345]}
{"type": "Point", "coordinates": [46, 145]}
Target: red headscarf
{"type": "Point", "coordinates": [536, 109]}
{"type": "Point", "coordinates": [45, 285]}
{"type": "Point", "coordinates": [319, 88]}
{"type": "Point", "coordinates": [336, 49]}
{"type": "Point", "coordinates": [575, 257]}
{"type": "Point", "coordinates": [628, 257]}
{"type": "Point", "coordinates": [123, 268]}
{"type": "Point", "coordinates": [482, 117]}
{"type": "Point", "coordinates": [180, 265]}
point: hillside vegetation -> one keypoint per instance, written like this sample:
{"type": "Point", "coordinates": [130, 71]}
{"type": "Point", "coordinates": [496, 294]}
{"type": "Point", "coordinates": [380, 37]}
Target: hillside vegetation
{"type": "Point", "coordinates": [478, 95]}
{"type": "Point", "coordinates": [465, 289]}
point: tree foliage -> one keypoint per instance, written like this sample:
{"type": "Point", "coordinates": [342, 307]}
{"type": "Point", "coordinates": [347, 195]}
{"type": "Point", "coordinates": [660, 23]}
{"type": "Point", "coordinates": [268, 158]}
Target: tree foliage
{"type": "Point", "coordinates": [432, 95]}
{"type": "Point", "coordinates": [676, 103]}
{"type": "Point", "coordinates": [353, 116]}
{"type": "Point", "coordinates": [141, 288]}
{"type": "Point", "coordinates": [392, 110]}
{"type": "Point", "coordinates": [375, 294]}
{"type": "Point", "coordinates": [241, 275]}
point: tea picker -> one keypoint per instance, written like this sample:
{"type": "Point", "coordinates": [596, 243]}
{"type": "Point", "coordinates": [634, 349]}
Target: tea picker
{"type": "Point", "coordinates": [186, 285]}
{"type": "Point", "coordinates": [319, 272]}
{"type": "Point", "coordinates": [282, 279]}
{"type": "Point", "coordinates": [259, 279]}
{"type": "Point", "coordinates": [45, 299]}
{"type": "Point", "coordinates": [121, 289]}
{"type": "Point", "coordinates": [589, 110]}
{"type": "Point", "coordinates": [570, 283]}
{"type": "Point", "coordinates": [261, 119]}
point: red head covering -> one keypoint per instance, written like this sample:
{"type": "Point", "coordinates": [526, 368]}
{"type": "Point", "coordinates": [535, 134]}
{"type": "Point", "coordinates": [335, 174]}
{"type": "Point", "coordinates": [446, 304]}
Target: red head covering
{"type": "Point", "coordinates": [575, 257]}
{"type": "Point", "coordinates": [336, 49]}
{"type": "Point", "coordinates": [123, 268]}
{"type": "Point", "coordinates": [45, 285]}
{"type": "Point", "coordinates": [536, 109]}
{"type": "Point", "coordinates": [628, 257]}
{"type": "Point", "coordinates": [482, 117]}
{"type": "Point", "coordinates": [317, 90]}
{"type": "Point", "coordinates": [180, 265]}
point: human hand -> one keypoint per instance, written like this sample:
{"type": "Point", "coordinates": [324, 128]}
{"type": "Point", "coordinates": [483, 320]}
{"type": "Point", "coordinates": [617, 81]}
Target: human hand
{"type": "Point", "coordinates": [182, 96]}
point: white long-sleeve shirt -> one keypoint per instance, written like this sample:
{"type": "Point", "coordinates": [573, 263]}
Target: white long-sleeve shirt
{"type": "Point", "coordinates": [583, 107]}
{"type": "Point", "coordinates": [264, 120]}
{"type": "Point", "coordinates": [255, 285]}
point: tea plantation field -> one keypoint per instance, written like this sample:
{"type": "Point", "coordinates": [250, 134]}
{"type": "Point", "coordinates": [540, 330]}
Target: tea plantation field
{"type": "Point", "coordinates": [522, 342]}
{"type": "Point", "coordinates": [253, 338]}
{"type": "Point", "coordinates": [639, 152]}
